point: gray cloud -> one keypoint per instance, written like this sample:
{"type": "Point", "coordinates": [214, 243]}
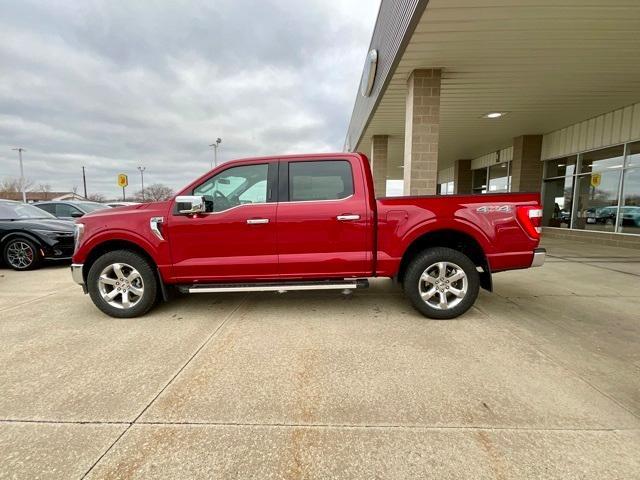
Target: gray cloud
{"type": "Point", "coordinates": [115, 84]}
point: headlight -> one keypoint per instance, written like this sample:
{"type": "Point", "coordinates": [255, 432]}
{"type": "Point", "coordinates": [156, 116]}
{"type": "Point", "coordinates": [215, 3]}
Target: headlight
{"type": "Point", "coordinates": [52, 233]}
{"type": "Point", "coordinates": [78, 231]}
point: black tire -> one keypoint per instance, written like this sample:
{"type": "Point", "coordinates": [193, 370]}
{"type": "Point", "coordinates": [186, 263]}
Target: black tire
{"type": "Point", "coordinates": [149, 282]}
{"type": "Point", "coordinates": [30, 263]}
{"type": "Point", "coordinates": [421, 262]}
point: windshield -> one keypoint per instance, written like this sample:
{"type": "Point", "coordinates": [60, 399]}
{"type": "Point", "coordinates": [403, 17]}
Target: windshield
{"type": "Point", "coordinates": [92, 207]}
{"type": "Point", "coordinates": [15, 211]}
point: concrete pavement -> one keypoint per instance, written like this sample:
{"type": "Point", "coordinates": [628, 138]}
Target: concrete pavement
{"type": "Point", "coordinates": [540, 380]}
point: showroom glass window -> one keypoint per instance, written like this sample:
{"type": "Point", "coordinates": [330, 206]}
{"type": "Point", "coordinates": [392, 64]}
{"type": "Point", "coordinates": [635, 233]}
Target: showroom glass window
{"type": "Point", "coordinates": [479, 180]}
{"type": "Point", "coordinates": [630, 211]}
{"type": "Point", "coordinates": [558, 192]}
{"type": "Point", "coordinates": [446, 188]}
{"type": "Point", "coordinates": [596, 189]}
{"type": "Point", "coordinates": [499, 177]}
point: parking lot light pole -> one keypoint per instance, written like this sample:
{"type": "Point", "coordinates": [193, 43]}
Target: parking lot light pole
{"type": "Point", "coordinates": [84, 182]}
{"type": "Point", "coordinates": [215, 151]}
{"type": "Point", "coordinates": [142, 169]}
{"type": "Point", "coordinates": [22, 186]}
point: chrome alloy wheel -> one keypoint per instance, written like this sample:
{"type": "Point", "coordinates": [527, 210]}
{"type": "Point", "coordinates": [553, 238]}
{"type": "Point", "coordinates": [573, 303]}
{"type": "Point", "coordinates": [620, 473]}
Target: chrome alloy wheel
{"type": "Point", "coordinates": [443, 285]}
{"type": "Point", "coordinates": [121, 285]}
{"type": "Point", "coordinates": [20, 255]}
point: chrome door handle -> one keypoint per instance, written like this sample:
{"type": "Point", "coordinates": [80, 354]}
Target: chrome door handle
{"type": "Point", "coordinates": [257, 221]}
{"type": "Point", "coordinates": [347, 218]}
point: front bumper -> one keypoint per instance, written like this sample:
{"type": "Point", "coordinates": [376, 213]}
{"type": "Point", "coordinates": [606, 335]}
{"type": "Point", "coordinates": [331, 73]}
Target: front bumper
{"type": "Point", "coordinates": [539, 255]}
{"type": "Point", "coordinates": [76, 273]}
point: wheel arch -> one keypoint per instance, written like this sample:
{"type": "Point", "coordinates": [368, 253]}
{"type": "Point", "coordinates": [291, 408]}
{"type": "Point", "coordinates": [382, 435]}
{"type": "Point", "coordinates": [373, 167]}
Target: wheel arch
{"type": "Point", "coordinates": [449, 238]}
{"type": "Point", "coordinates": [20, 234]}
{"type": "Point", "coordinates": [112, 245]}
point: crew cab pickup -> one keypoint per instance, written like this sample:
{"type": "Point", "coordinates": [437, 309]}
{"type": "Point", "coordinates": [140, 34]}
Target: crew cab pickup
{"type": "Point", "coordinates": [301, 223]}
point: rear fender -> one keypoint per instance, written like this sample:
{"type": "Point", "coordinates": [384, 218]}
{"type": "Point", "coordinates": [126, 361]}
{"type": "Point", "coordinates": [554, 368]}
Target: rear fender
{"type": "Point", "coordinates": [434, 225]}
{"type": "Point", "coordinates": [427, 233]}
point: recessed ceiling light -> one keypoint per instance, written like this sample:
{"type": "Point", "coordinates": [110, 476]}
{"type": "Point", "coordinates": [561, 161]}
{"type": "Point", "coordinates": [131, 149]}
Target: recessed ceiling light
{"type": "Point", "coordinates": [494, 115]}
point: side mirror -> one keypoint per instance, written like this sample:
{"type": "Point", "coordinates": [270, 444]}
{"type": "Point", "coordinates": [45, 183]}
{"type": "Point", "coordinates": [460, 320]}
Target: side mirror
{"type": "Point", "coordinates": [76, 214]}
{"type": "Point", "coordinates": [194, 204]}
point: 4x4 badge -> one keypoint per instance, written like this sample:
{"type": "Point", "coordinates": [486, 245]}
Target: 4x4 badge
{"type": "Point", "coordinates": [494, 208]}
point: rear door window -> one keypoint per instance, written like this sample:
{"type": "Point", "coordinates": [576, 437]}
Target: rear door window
{"type": "Point", "coordinates": [65, 210]}
{"type": "Point", "coordinates": [324, 180]}
{"type": "Point", "coordinates": [48, 208]}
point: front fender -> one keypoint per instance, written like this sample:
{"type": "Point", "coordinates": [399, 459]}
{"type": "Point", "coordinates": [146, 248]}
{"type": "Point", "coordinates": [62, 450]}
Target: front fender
{"type": "Point", "coordinates": [156, 251]}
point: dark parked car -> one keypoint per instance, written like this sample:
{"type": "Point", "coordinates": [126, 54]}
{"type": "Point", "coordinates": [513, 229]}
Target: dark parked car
{"type": "Point", "coordinates": [631, 216]}
{"type": "Point", "coordinates": [605, 215]}
{"type": "Point", "coordinates": [565, 216]}
{"type": "Point", "coordinates": [69, 210]}
{"type": "Point", "coordinates": [29, 235]}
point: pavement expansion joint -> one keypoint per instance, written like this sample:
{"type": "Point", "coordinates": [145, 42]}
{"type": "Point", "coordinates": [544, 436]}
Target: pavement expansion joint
{"type": "Point", "coordinates": [211, 336]}
{"type": "Point", "coordinates": [562, 364]}
{"type": "Point", "coordinates": [344, 426]}
{"type": "Point", "coordinates": [27, 302]}
{"type": "Point", "coordinates": [589, 262]}
{"type": "Point", "coordinates": [63, 422]}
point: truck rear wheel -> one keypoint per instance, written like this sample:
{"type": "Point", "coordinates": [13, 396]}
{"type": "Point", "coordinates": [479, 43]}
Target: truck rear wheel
{"type": "Point", "coordinates": [122, 284]}
{"type": "Point", "coordinates": [441, 283]}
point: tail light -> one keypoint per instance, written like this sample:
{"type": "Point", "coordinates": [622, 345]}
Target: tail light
{"type": "Point", "coordinates": [531, 220]}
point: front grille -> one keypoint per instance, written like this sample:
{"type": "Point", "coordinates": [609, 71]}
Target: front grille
{"type": "Point", "coordinates": [63, 247]}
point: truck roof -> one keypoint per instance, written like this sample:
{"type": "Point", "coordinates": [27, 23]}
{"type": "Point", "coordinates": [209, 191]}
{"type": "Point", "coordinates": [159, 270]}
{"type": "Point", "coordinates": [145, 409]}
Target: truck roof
{"type": "Point", "coordinates": [297, 156]}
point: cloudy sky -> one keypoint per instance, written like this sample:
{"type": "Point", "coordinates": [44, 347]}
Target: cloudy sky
{"type": "Point", "coordinates": [119, 83]}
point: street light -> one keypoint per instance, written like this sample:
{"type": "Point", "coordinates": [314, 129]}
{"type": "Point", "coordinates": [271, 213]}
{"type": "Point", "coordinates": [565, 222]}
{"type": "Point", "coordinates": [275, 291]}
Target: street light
{"type": "Point", "coordinates": [215, 151]}
{"type": "Point", "coordinates": [22, 186]}
{"type": "Point", "coordinates": [84, 182]}
{"type": "Point", "coordinates": [142, 169]}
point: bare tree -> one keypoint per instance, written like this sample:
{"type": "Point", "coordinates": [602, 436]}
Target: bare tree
{"type": "Point", "coordinates": [155, 193]}
{"type": "Point", "coordinates": [15, 185]}
{"type": "Point", "coordinates": [96, 197]}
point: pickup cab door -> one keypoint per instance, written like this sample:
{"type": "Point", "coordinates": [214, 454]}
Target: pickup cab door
{"type": "Point", "coordinates": [237, 241]}
{"type": "Point", "coordinates": [323, 219]}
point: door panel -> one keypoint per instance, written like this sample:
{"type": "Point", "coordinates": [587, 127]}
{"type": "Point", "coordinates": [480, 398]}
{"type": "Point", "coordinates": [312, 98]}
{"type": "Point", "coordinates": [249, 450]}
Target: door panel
{"type": "Point", "coordinates": [237, 241]}
{"type": "Point", "coordinates": [228, 245]}
{"type": "Point", "coordinates": [322, 238]}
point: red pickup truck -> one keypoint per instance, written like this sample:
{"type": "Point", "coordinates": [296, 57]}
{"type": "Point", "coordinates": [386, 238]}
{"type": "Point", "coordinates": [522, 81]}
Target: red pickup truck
{"type": "Point", "coordinates": [301, 223]}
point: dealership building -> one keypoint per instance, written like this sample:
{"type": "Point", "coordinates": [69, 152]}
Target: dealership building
{"type": "Point", "coordinates": [464, 96]}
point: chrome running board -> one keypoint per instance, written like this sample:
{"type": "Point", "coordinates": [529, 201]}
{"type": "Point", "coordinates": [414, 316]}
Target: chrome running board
{"type": "Point", "coordinates": [275, 287]}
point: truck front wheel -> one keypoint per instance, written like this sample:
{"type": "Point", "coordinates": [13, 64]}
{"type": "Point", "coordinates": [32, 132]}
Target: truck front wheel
{"type": "Point", "coordinates": [441, 283]}
{"type": "Point", "coordinates": [122, 284]}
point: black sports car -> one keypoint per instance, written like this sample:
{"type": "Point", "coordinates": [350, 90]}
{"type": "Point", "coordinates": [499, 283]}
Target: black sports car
{"type": "Point", "coordinates": [29, 235]}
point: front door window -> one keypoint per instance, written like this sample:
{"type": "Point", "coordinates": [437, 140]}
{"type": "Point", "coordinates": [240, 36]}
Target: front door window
{"type": "Point", "coordinates": [236, 186]}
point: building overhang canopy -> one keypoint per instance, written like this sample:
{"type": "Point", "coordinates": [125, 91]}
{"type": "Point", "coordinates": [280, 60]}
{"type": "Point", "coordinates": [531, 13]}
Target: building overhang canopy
{"type": "Point", "coordinates": [544, 64]}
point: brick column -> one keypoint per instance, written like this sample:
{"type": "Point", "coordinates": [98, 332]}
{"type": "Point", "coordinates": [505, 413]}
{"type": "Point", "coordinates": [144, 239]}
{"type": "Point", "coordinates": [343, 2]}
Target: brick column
{"type": "Point", "coordinates": [379, 157]}
{"type": "Point", "coordinates": [462, 176]}
{"type": "Point", "coordinates": [422, 126]}
{"type": "Point", "coordinates": [526, 167]}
